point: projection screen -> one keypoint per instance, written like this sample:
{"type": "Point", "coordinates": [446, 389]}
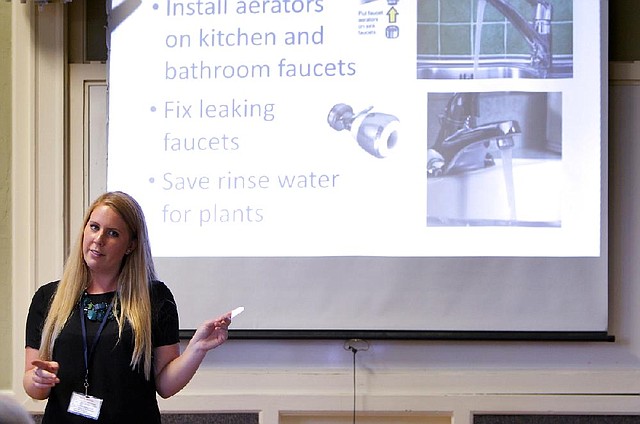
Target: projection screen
{"type": "Point", "coordinates": [399, 168]}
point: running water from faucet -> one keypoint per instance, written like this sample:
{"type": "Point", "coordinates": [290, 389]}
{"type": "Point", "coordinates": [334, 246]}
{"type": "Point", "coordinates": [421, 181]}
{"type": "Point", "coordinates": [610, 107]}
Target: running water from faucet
{"type": "Point", "coordinates": [478, 38]}
{"type": "Point", "coordinates": [507, 162]}
{"type": "Point", "coordinates": [507, 170]}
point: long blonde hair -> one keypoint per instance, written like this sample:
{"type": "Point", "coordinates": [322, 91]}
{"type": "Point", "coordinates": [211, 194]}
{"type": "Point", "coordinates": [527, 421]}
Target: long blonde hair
{"type": "Point", "coordinates": [132, 302]}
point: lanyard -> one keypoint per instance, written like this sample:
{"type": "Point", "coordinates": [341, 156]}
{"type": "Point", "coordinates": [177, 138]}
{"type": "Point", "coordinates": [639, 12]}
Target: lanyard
{"type": "Point", "coordinates": [87, 352]}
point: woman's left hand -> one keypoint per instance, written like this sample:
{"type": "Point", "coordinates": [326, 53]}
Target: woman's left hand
{"type": "Point", "coordinates": [174, 370]}
{"type": "Point", "coordinates": [212, 333]}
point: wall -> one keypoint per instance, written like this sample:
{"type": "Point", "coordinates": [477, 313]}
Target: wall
{"type": "Point", "coordinates": [284, 379]}
{"type": "Point", "coordinates": [5, 195]}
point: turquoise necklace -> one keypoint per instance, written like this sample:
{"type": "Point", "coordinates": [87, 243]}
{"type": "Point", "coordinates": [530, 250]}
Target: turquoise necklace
{"type": "Point", "coordinates": [95, 311]}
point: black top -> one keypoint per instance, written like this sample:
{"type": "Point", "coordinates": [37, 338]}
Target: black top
{"type": "Point", "coordinates": [127, 396]}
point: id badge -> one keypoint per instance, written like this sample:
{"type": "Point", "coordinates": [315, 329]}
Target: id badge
{"type": "Point", "coordinates": [86, 406]}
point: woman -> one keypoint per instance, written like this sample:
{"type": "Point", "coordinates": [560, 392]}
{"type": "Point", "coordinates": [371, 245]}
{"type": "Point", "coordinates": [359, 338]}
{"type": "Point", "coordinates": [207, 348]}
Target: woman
{"type": "Point", "coordinates": [104, 339]}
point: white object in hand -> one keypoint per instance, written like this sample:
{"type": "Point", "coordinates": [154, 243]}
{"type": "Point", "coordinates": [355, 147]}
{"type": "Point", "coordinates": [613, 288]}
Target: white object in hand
{"type": "Point", "coordinates": [237, 311]}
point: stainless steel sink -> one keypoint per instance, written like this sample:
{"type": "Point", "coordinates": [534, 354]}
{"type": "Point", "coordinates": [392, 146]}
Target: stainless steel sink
{"type": "Point", "coordinates": [465, 70]}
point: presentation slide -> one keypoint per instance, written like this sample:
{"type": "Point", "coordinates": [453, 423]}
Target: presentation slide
{"type": "Point", "coordinates": [363, 159]}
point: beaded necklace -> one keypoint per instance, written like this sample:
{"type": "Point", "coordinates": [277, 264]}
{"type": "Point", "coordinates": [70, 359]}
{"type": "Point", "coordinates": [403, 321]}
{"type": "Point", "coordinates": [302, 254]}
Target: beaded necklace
{"type": "Point", "coordinates": [95, 311]}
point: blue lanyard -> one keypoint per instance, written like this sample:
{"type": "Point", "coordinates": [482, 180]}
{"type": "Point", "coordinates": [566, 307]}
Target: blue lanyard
{"type": "Point", "coordinates": [87, 352]}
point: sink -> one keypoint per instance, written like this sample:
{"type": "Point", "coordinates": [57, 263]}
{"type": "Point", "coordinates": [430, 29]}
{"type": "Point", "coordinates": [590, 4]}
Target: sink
{"type": "Point", "coordinates": [445, 69]}
{"type": "Point", "coordinates": [480, 197]}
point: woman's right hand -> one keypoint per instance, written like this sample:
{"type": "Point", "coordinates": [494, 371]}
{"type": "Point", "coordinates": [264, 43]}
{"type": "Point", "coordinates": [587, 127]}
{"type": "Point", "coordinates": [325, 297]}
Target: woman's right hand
{"type": "Point", "coordinates": [45, 373]}
{"type": "Point", "coordinates": [39, 376]}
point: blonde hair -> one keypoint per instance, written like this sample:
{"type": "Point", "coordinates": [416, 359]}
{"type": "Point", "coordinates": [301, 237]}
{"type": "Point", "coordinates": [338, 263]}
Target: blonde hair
{"type": "Point", "coordinates": [132, 302]}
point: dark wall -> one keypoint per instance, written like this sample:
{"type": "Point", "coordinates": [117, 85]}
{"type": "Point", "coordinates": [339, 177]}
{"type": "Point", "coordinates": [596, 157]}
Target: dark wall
{"type": "Point", "coordinates": [624, 30]}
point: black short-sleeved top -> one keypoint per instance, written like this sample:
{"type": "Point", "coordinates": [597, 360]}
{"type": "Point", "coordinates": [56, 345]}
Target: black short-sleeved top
{"type": "Point", "coordinates": [127, 396]}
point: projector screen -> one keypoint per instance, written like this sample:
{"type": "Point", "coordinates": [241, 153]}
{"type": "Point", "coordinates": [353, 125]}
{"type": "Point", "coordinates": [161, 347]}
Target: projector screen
{"type": "Point", "coordinates": [368, 165]}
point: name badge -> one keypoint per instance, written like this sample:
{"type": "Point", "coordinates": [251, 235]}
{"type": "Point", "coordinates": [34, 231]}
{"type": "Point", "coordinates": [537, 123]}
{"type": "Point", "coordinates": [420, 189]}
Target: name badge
{"type": "Point", "coordinates": [86, 406]}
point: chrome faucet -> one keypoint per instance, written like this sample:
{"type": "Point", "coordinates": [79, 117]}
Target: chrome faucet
{"type": "Point", "coordinates": [537, 33]}
{"type": "Point", "coordinates": [462, 145]}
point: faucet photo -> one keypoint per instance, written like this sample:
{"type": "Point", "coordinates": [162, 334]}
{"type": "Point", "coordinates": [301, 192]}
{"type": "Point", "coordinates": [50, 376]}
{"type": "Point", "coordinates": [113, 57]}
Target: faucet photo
{"type": "Point", "coordinates": [462, 145]}
{"type": "Point", "coordinates": [537, 34]}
